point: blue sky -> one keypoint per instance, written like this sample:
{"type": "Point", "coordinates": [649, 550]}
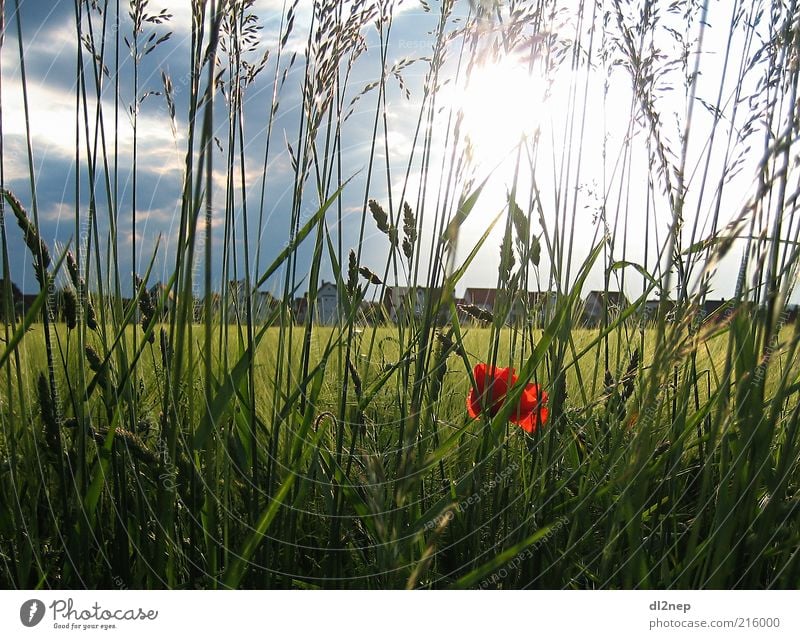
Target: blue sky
{"type": "Point", "coordinates": [49, 39]}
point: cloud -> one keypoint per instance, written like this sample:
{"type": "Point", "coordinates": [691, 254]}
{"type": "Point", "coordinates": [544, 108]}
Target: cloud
{"type": "Point", "coordinates": [52, 118]}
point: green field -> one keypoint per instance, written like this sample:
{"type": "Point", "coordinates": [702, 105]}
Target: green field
{"type": "Point", "coordinates": [649, 464]}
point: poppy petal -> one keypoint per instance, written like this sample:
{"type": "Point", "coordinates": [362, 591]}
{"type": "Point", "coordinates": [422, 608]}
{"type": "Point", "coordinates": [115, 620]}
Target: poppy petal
{"type": "Point", "coordinates": [473, 403]}
{"type": "Point", "coordinates": [530, 413]}
{"type": "Point", "coordinates": [489, 392]}
{"type": "Point", "coordinates": [503, 380]}
{"type": "Point", "coordinates": [480, 372]}
{"type": "Point", "coordinates": [528, 401]}
{"type": "Point", "coordinates": [530, 422]}
{"type": "Point", "coordinates": [491, 385]}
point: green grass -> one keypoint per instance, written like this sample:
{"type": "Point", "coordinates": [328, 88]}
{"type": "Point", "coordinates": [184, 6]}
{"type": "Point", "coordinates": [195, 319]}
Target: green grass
{"type": "Point", "coordinates": [564, 500]}
{"type": "Point", "coordinates": [162, 452]}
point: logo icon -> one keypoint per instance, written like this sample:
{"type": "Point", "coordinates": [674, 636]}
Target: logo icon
{"type": "Point", "coordinates": [31, 612]}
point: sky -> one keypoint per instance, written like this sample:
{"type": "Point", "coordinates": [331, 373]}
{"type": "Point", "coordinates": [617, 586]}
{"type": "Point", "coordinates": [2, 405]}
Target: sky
{"type": "Point", "coordinates": [500, 103]}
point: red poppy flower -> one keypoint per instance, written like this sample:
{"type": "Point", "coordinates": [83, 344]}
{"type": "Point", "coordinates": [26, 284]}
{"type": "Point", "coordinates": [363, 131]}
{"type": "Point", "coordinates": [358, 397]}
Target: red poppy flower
{"type": "Point", "coordinates": [489, 394]}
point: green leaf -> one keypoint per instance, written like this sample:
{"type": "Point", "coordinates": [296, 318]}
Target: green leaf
{"type": "Point", "coordinates": [536, 251]}
{"type": "Point", "coordinates": [655, 284]}
{"type": "Point", "coordinates": [235, 572]}
{"type": "Point", "coordinates": [464, 209]}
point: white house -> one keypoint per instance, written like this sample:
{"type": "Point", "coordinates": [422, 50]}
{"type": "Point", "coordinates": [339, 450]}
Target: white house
{"type": "Point", "coordinates": [400, 302]}
{"type": "Point", "coordinates": [326, 306]}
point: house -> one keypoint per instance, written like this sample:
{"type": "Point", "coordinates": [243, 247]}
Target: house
{"type": "Point", "coordinates": [722, 310]}
{"type": "Point", "coordinates": [533, 307]}
{"type": "Point", "coordinates": [602, 303]}
{"type": "Point", "coordinates": [484, 298]}
{"type": "Point", "coordinates": [300, 309]}
{"type": "Point", "coordinates": [159, 292]}
{"type": "Point", "coordinates": [216, 306]}
{"type": "Point", "coordinates": [649, 311]}
{"type": "Point", "coordinates": [372, 313]}
{"type": "Point", "coordinates": [326, 310]}
{"type": "Point", "coordinates": [264, 306]}
{"type": "Point", "coordinates": [402, 302]}
{"type": "Point", "coordinates": [790, 314]}
{"type": "Point", "coordinates": [236, 300]}
{"type": "Point", "coordinates": [326, 305]}
{"type": "Point", "coordinates": [27, 302]}
{"type": "Point", "coordinates": [398, 304]}
{"type": "Point", "coordinates": [715, 310]}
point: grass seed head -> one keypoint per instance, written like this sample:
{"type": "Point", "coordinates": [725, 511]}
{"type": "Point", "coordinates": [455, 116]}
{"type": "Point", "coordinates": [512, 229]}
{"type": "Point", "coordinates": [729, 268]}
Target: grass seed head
{"type": "Point", "coordinates": [380, 217]}
{"type": "Point", "coordinates": [352, 272]}
{"type": "Point", "coordinates": [48, 412]}
{"type": "Point", "coordinates": [409, 231]}
{"type": "Point", "coordinates": [477, 312]}
{"type": "Point", "coordinates": [33, 240]}
{"type": "Point", "coordinates": [166, 348]}
{"type": "Point", "coordinates": [133, 444]}
{"type": "Point", "coordinates": [368, 275]}
{"type": "Point", "coordinates": [72, 269]}
{"type": "Point", "coordinates": [146, 307]}
{"type": "Point", "coordinates": [70, 308]}
{"type": "Point", "coordinates": [356, 377]}
{"type": "Point", "coordinates": [91, 317]}
{"type": "Point", "coordinates": [92, 356]}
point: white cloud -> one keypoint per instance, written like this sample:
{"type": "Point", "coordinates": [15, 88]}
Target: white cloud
{"type": "Point", "coordinates": [52, 118]}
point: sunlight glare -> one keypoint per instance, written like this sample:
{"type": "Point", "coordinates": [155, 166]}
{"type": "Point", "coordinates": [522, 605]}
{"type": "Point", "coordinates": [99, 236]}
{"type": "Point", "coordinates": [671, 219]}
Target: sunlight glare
{"type": "Point", "coordinates": [502, 104]}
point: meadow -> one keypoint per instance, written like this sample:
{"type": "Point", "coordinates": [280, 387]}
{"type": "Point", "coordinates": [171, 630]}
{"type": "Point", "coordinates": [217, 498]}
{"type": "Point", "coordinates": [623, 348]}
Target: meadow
{"type": "Point", "coordinates": [160, 436]}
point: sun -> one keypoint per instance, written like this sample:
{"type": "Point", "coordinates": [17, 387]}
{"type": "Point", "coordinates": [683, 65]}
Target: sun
{"type": "Point", "coordinates": [502, 104]}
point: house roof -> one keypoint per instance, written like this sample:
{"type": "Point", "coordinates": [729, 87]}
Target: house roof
{"type": "Point", "coordinates": [654, 303]}
{"type": "Point", "coordinates": [710, 306]}
{"type": "Point", "coordinates": [481, 296]}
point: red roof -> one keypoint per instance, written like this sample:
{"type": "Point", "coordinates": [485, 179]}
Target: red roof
{"type": "Point", "coordinates": [485, 296]}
